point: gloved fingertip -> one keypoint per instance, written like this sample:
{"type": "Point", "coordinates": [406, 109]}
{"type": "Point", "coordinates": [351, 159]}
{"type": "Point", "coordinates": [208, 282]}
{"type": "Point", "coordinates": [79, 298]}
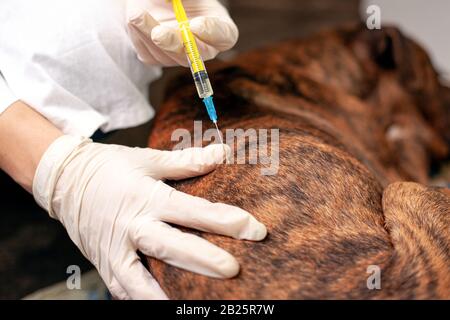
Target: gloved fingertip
{"type": "Point", "coordinates": [158, 294]}
{"type": "Point", "coordinates": [198, 24]}
{"type": "Point", "coordinates": [158, 33]}
{"type": "Point", "coordinates": [167, 39]}
{"type": "Point", "coordinates": [228, 268]}
{"type": "Point", "coordinates": [253, 230]}
{"type": "Point", "coordinates": [219, 152]}
{"type": "Point", "coordinates": [258, 232]}
{"type": "Point", "coordinates": [228, 154]}
{"type": "Point", "coordinates": [143, 21]}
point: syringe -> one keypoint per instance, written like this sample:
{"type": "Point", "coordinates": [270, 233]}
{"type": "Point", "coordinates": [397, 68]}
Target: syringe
{"type": "Point", "coordinates": [196, 64]}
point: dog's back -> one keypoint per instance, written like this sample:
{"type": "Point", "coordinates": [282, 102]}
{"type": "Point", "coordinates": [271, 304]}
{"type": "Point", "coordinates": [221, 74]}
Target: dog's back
{"type": "Point", "coordinates": [334, 214]}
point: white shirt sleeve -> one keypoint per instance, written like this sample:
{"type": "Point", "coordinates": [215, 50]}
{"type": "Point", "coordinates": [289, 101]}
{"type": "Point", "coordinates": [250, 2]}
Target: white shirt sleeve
{"type": "Point", "coordinates": [73, 62]}
{"type": "Point", "coordinates": [7, 98]}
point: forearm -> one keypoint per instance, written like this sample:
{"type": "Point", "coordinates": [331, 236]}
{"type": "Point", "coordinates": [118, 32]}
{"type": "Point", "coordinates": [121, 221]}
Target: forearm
{"type": "Point", "coordinates": [24, 137]}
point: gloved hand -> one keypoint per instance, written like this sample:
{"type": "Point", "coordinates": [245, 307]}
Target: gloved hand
{"type": "Point", "coordinates": [113, 202]}
{"type": "Point", "coordinates": [154, 30]}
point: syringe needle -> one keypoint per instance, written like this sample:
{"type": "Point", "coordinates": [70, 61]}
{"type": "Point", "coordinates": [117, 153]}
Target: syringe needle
{"type": "Point", "coordinates": [218, 132]}
{"type": "Point", "coordinates": [221, 141]}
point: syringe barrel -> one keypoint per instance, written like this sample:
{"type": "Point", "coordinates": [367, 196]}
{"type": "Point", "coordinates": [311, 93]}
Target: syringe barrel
{"type": "Point", "coordinates": [202, 83]}
{"type": "Point", "coordinates": [195, 62]}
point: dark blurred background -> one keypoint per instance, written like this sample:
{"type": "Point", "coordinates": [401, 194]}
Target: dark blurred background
{"type": "Point", "coordinates": [35, 250]}
{"type": "Point", "coordinates": [265, 21]}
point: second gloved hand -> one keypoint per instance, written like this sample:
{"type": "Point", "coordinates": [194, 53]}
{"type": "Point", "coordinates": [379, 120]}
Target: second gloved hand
{"type": "Point", "coordinates": [154, 30]}
{"type": "Point", "coordinates": [113, 202]}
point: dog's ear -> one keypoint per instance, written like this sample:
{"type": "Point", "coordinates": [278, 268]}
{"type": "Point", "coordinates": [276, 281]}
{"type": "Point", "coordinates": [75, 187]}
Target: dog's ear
{"type": "Point", "coordinates": [384, 47]}
{"type": "Point", "coordinates": [445, 94]}
{"type": "Point", "coordinates": [378, 50]}
{"type": "Point", "coordinates": [388, 48]}
{"type": "Point", "coordinates": [392, 50]}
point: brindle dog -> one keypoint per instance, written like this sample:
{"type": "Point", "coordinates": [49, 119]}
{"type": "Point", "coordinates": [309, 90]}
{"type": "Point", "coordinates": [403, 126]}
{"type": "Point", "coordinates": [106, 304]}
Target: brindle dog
{"type": "Point", "coordinates": [358, 112]}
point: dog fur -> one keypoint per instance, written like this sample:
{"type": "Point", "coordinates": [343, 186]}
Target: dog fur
{"type": "Point", "coordinates": [359, 111]}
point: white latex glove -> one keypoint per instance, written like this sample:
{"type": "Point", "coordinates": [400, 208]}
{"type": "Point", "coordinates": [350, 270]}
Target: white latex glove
{"type": "Point", "coordinates": [154, 30]}
{"type": "Point", "coordinates": [112, 201]}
